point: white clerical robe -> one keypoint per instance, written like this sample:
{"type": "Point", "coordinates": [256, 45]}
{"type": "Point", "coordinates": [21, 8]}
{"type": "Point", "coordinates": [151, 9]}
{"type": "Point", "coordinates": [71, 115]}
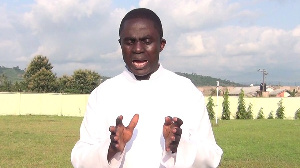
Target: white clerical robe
{"type": "Point", "coordinates": [164, 94]}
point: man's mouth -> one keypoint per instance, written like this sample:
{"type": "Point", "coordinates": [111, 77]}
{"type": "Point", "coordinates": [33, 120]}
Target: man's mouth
{"type": "Point", "coordinates": [139, 63]}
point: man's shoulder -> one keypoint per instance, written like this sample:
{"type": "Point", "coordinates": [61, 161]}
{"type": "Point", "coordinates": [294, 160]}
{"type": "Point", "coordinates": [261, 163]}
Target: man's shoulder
{"type": "Point", "coordinates": [172, 75]}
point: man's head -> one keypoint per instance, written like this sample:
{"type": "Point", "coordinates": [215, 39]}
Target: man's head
{"type": "Point", "coordinates": [143, 13]}
{"type": "Point", "coordinates": [141, 42]}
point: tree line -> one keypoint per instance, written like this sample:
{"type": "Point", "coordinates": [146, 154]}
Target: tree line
{"type": "Point", "coordinates": [39, 78]}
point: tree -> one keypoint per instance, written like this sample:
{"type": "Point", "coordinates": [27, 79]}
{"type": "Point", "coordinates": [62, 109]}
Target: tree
{"type": "Point", "coordinates": [36, 65]}
{"type": "Point", "coordinates": [65, 84]}
{"type": "Point", "coordinates": [210, 108]}
{"type": "Point", "coordinates": [241, 111]}
{"type": "Point", "coordinates": [43, 81]}
{"type": "Point", "coordinates": [292, 93]}
{"type": "Point", "coordinates": [85, 81]}
{"type": "Point", "coordinates": [271, 115]}
{"type": "Point", "coordinates": [280, 110]}
{"type": "Point", "coordinates": [225, 105]}
{"type": "Point", "coordinates": [5, 84]}
{"type": "Point", "coordinates": [260, 114]}
{"type": "Point", "coordinates": [39, 76]}
{"type": "Point", "coordinates": [297, 114]}
{"type": "Point", "coordinates": [249, 113]}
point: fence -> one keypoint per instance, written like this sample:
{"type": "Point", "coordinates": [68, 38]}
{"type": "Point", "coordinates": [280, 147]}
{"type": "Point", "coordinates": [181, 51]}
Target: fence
{"type": "Point", "coordinates": [75, 105]}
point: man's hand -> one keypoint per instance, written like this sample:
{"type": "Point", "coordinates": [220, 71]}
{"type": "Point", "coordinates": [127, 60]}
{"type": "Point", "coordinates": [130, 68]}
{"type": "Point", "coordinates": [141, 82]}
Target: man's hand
{"type": "Point", "coordinates": [120, 135]}
{"type": "Point", "coordinates": [172, 133]}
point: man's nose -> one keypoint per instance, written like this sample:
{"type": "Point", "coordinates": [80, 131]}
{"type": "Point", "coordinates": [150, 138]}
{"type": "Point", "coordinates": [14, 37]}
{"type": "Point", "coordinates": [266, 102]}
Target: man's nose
{"type": "Point", "coordinates": [138, 47]}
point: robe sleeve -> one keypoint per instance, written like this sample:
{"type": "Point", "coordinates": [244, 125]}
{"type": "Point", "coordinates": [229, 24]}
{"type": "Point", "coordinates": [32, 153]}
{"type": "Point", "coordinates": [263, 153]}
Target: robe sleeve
{"type": "Point", "coordinates": [92, 148]}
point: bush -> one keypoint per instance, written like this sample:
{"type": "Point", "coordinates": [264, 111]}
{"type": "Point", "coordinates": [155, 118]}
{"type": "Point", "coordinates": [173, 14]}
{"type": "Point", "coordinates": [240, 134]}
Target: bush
{"type": "Point", "coordinates": [249, 113]}
{"type": "Point", "coordinates": [225, 105]}
{"type": "Point", "coordinates": [241, 110]}
{"type": "Point", "coordinates": [210, 108]}
{"type": "Point", "coordinates": [260, 114]}
{"type": "Point", "coordinates": [280, 110]}
{"type": "Point", "coordinates": [271, 115]}
{"type": "Point", "coordinates": [297, 114]}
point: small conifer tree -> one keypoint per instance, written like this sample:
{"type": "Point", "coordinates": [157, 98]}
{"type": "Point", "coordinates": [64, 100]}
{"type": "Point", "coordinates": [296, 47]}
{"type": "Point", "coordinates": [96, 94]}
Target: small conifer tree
{"type": "Point", "coordinates": [297, 114]}
{"type": "Point", "coordinates": [210, 108]}
{"type": "Point", "coordinates": [271, 115]}
{"type": "Point", "coordinates": [225, 105]}
{"type": "Point", "coordinates": [241, 110]}
{"type": "Point", "coordinates": [280, 110]}
{"type": "Point", "coordinates": [260, 114]}
{"type": "Point", "coordinates": [249, 114]}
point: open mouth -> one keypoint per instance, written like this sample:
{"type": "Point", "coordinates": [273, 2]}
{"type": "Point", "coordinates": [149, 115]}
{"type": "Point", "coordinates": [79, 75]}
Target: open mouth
{"type": "Point", "coordinates": [139, 63]}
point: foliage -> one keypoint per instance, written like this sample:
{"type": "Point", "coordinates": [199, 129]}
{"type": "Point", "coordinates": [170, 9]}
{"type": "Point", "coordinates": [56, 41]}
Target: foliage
{"type": "Point", "coordinates": [280, 110]}
{"type": "Point", "coordinates": [249, 113]}
{"type": "Point", "coordinates": [13, 75]}
{"type": "Point", "coordinates": [241, 110]}
{"type": "Point", "coordinates": [297, 114]}
{"type": "Point", "coordinates": [292, 93]}
{"type": "Point", "coordinates": [225, 105]}
{"type": "Point", "coordinates": [5, 85]}
{"type": "Point", "coordinates": [210, 108]}
{"type": "Point", "coordinates": [43, 81]}
{"type": "Point", "coordinates": [200, 80]}
{"type": "Point", "coordinates": [37, 63]}
{"type": "Point", "coordinates": [271, 115]}
{"type": "Point", "coordinates": [39, 76]}
{"type": "Point", "coordinates": [81, 82]}
{"type": "Point", "coordinates": [260, 114]}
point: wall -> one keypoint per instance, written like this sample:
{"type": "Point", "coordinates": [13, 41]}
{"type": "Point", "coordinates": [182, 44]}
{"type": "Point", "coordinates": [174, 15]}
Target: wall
{"type": "Point", "coordinates": [290, 104]}
{"type": "Point", "coordinates": [42, 104]}
{"type": "Point", "coordinates": [75, 105]}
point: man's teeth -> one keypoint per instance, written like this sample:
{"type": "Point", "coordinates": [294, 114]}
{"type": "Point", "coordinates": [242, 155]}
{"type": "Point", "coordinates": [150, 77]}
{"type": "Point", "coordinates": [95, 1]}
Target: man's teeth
{"type": "Point", "coordinates": [140, 63]}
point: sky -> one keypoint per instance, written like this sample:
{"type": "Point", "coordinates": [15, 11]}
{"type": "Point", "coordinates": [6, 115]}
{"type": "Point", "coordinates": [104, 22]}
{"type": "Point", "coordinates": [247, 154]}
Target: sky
{"type": "Point", "coordinates": [228, 39]}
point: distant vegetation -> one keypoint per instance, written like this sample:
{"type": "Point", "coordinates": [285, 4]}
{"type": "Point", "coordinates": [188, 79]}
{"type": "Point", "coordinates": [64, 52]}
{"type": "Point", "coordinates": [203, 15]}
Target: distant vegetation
{"type": "Point", "coordinates": [13, 75]}
{"type": "Point", "coordinates": [38, 77]}
{"type": "Point", "coordinates": [200, 80]}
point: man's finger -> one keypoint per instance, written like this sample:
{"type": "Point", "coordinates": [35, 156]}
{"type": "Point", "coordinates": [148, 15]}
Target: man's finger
{"type": "Point", "coordinates": [119, 120]}
{"type": "Point", "coordinates": [168, 121]}
{"type": "Point", "coordinates": [133, 122]}
{"type": "Point", "coordinates": [177, 122]}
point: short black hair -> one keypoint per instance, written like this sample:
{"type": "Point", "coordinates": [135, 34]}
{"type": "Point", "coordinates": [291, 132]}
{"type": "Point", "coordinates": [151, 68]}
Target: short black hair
{"type": "Point", "coordinates": [143, 13]}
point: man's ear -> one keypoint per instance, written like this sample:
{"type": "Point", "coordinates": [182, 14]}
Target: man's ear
{"type": "Point", "coordinates": [119, 41]}
{"type": "Point", "coordinates": [163, 42]}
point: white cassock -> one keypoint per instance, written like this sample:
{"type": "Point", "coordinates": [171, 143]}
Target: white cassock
{"type": "Point", "coordinates": [164, 94]}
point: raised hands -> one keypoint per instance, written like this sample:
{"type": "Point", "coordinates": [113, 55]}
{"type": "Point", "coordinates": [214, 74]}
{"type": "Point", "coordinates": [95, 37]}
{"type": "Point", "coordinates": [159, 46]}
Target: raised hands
{"type": "Point", "coordinates": [172, 133]}
{"type": "Point", "coordinates": [120, 135]}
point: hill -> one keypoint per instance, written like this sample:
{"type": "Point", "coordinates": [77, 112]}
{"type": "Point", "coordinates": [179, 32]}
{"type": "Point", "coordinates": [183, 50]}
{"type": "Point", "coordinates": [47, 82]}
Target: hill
{"type": "Point", "coordinates": [14, 74]}
{"type": "Point", "coordinates": [200, 80]}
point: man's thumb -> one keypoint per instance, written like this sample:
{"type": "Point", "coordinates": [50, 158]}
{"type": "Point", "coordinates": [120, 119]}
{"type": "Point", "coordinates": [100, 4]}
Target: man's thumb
{"type": "Point", "coordinates": [133, 122]}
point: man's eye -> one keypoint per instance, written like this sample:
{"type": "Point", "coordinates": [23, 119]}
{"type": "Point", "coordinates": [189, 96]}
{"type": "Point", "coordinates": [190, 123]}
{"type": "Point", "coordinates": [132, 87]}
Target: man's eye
{"type": "Point", "coordinates": [130, 41]}
{"type": "Point", "coordinates": [147, 41]}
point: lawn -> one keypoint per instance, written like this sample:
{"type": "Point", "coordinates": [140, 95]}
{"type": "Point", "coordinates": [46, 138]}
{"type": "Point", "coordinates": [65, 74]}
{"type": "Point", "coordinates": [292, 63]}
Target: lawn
{"type": "Point", "coordinates": [46, 141]}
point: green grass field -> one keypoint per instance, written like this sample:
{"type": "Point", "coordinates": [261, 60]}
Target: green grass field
{"type": "Point", "coordinates": [47, 141]}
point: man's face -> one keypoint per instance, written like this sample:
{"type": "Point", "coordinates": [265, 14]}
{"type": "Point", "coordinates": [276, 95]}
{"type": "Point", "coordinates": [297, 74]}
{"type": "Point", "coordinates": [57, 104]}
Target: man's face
{"type": "Point", "coordinates": [141, 44]}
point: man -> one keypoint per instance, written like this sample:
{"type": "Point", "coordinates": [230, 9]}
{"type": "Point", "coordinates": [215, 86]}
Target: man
{"type": "Point", "coordinates": [168, 124]}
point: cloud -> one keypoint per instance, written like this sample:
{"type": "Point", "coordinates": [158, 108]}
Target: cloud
{"type": "Point", "coordinates": [209, 37]}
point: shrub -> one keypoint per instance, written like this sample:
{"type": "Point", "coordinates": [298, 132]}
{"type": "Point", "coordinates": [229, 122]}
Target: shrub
{"type": "Point", "coordinates": [249, 113]}
{"type": "Point", "coordinates": [225, 105]}
{"type": "Point", "coordinates": [271, 115]}
{"type": "Point", "coordinates": [241, 111]}
{"type": "Point", "coordinates": [297, 114]}
{"type": "Point", "coordinates": [260, 114]}
{"type": "Point", "coordinates": [280, 110]}
{"type": "Point", "coordinates": [210, 108]}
